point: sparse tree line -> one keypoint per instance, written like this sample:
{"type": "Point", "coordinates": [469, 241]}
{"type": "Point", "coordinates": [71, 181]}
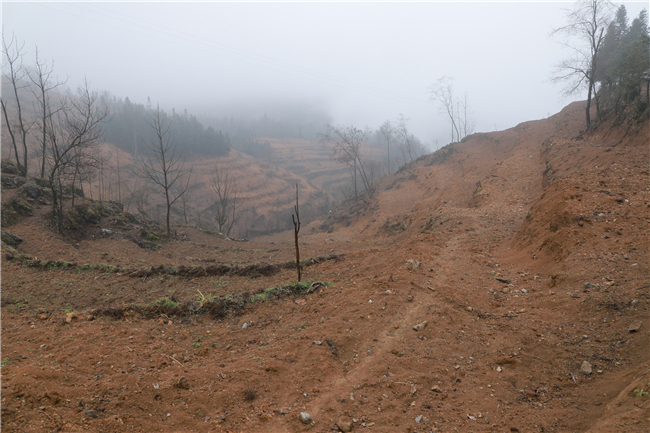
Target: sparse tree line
{"type": "Point", "coordinates": [348, 147]}
{"type": "Point", "coordinates": [610, 59]}
{"type": "Point", "coordinates": [67, 125]}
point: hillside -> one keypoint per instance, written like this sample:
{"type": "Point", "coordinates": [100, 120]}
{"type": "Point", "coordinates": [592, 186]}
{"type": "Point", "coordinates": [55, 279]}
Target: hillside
{"type": "Point", "coordinates": [526, 310]}
{"type": "Point", "coordinates": [265, 186]}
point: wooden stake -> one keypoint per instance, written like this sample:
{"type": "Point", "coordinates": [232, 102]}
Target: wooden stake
{"type": "Point", "coordinates": [296, 229]}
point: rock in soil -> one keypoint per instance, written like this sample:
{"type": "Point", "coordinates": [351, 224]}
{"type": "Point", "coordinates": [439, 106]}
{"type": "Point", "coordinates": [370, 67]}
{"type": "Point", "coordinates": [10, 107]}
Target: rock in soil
{"type": "Point", "coordinates": [344, 426]}
{"type": "Point", "coordinates": [305, 418]}
{"type": "Point", "coordinates": [420, 326]}
{"type": "Point", "coordinates": [634, 326]}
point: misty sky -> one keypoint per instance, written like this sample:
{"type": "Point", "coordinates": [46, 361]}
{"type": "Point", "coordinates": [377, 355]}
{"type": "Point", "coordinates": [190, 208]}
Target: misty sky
{"type": "Point", "coordinates": [363, 62]}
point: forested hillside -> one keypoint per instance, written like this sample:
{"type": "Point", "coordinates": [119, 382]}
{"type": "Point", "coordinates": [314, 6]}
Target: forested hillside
{"type": "Point", "coordinates": [128, 126]}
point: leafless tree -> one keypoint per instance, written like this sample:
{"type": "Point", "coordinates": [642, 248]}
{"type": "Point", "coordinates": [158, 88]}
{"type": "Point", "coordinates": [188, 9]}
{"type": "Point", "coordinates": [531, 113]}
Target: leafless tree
{"type": "Point", "coordinates": [163, 166]}
{"type": "Point", "coordinates": [226, 201]}
{"type": "Point", "coordinates": [387, 131]}
{"type": "Point", "coordinates": [466, 124]}
{"type": "Point", "coordinates": [186, 199]}
{"type": "Point", "coordinates": [85, 165]}
{"type": "Point", "coordinates": [375, 169]}
{"type": "Point", "coordinates": [443, 93]}
{"type": "Point", "coordinates": [346, 149]}
{"type": "Point", "coordinates": [15, 73]}
{"type": "Point", "coordinates": [458, 110]}
{"type": "Point", "coordinates": [406, 139]}
{"type": "Point", "coordinates": [41, 77]}
{"type": "Point", "coordinates": [588, 21]}
{"type": "Point", "coordinates": [137, 194]}
{"type": "Point", "coordinates": [74, 128]}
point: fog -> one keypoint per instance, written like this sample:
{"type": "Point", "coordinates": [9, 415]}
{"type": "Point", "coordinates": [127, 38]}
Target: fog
{"type": "Point", "coordinates": [361, 63]}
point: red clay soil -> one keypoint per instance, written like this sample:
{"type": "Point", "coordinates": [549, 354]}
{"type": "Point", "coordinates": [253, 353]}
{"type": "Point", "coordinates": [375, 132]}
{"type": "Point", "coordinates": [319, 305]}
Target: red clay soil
{"type": "Point", "coordinates": [530, 300]}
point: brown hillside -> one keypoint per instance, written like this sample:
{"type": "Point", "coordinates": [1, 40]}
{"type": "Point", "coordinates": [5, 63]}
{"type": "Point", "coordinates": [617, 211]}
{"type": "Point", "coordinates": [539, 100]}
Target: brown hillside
{"type": "Point", "coordinates": [528, 311]}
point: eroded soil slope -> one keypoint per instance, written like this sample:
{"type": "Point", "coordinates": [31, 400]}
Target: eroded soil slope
{"type": "Point", "coordinates": [530, 304]}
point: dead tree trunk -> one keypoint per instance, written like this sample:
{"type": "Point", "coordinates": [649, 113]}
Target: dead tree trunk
{"type": "Point", "coordinates": [296, 229]}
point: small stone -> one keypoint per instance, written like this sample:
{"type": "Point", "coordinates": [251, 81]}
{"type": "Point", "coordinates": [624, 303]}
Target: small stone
{"type": "Point", "coordinates": [418, 419]}
{"type": "Point", "coordinates": [586, 367]}
{"type": "Point", "coordinates": [244, 326]}
{"type": "Point", "coordinates": [90, 317]}
{"type": "Point", "coordinates": [318, 342]}
{"type": "Point", "coordinates": [344, 426]}
{"type": "Point", "coordinates": [503, 280]}
{"type": "Point", "coordinates": [305, 418]}
{"type": "Point", "coordinates": [473, 418]}
{"type": "Point", "coordinates": [42, 316]}
{"type": "Point", "coordinates": [524, 291]}
{"type": "Point", "coordinates": [91, 413]}
{"type": "Point", "coordinates": [420, 326]}
{"type": "Point", "coordinates": [285, 410]}
{"type": "Point", "coordinates": [499, 369]}
{"type": "Point", "coordinates": [634, 326]}
{"type": "Point", "coordinates": [436, 388]}
{"type": "Point", "coordinates": [505, 289]}
{"type": "Point", "coordinates": [456, 367]}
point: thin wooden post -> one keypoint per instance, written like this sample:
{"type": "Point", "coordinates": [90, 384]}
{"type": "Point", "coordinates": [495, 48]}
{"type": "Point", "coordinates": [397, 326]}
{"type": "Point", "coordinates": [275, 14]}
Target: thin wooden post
{"type": "Point", "coordinates": [296, 229]}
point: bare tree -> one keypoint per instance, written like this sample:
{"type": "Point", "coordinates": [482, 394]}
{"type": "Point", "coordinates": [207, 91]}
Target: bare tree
{"type": "Point", "coordinates": [443, 93]}
{"type": "Point", "coordinates": [187, 198]}
{"type": "Point", "coordinates": [139, 195]}
{"type": "Point", "coordinates": [387, 131]}
{"type": "Point", "coordinates": [375, 169]}
{"type": "Point", "coordinates": [226, 201]}
{"type": "Point", "coordinates": [588, 21]}
{"type": "Point", "coordinates": [406, 138]}
{"type": "Point", "coordinates": [346, 149]}
{"type": "Point", "coordinates": [73, 128]}
{"type": "Point", "coordinates": [163, 166]}
{"type": "Point", "coordinates": [15, 74]}
{"type": "Point", "coordinates": [84, 168]}
{"type": "Point", "coordinates": [41, 77]}
{"type": "Point", "coordinates": [466, 124]}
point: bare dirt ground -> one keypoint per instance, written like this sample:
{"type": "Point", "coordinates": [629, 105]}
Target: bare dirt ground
{"type": "Point", "coordinates": [531, 297]}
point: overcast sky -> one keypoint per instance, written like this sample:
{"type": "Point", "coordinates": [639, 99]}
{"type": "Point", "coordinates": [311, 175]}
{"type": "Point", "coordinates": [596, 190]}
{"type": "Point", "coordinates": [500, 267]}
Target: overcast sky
{"type": "Point", "coordinates": [364, 62]}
